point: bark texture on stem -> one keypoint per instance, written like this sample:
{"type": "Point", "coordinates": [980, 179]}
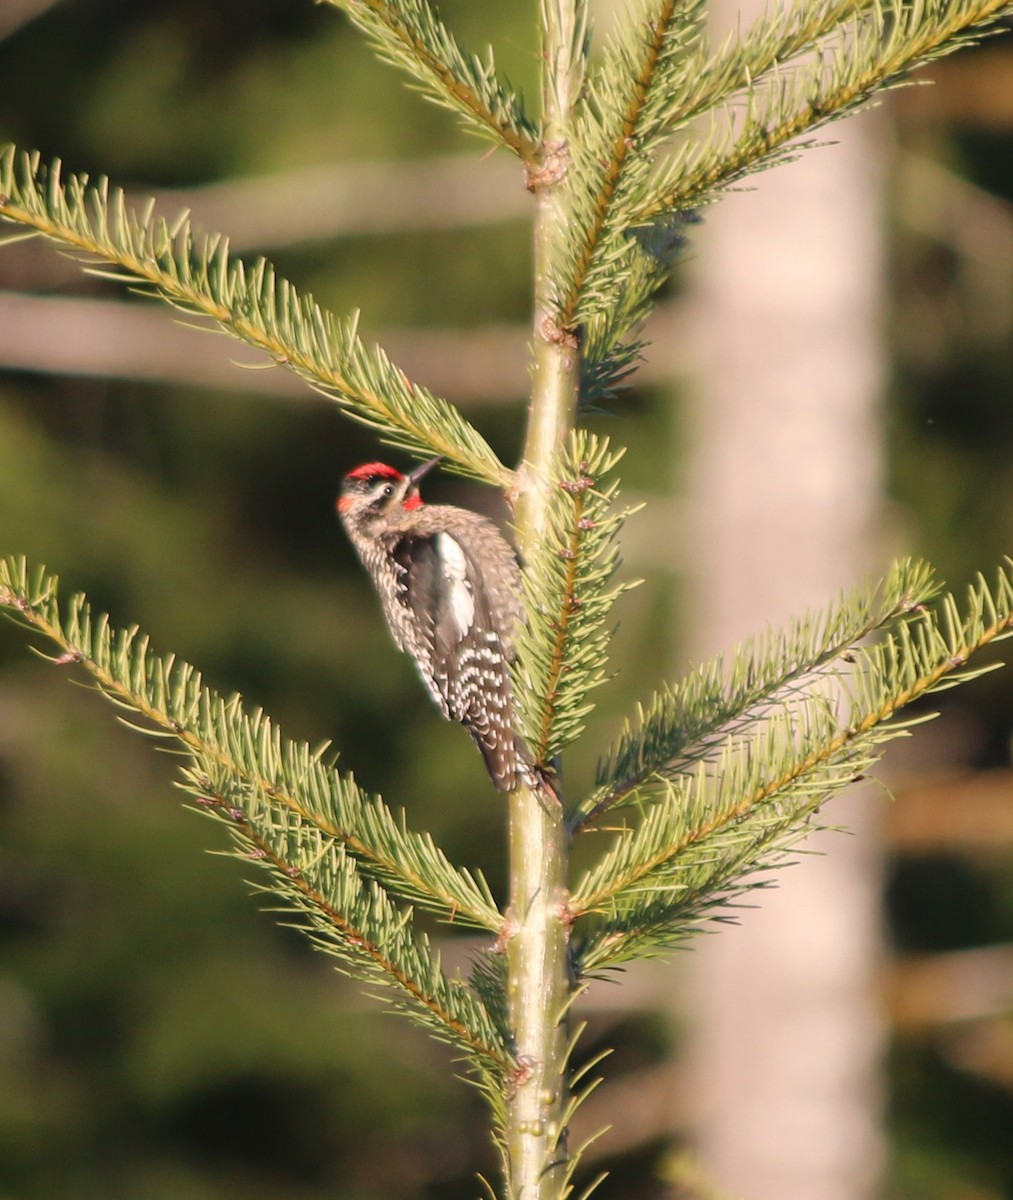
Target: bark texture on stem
{"type": "Point", "coordinates": [539, 984]}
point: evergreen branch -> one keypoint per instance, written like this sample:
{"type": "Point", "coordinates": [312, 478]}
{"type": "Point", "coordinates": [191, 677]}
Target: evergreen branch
{"type": "Point", "coordinates": [803, 745]}
{"type": "Point", "coordinates": [628, 222]}
{"type": "Point", "coordinates": [488, 979]}
{"type": "Point", "coordinates": [352, 920]}
{"type": "Point", "coordinates": [705, 80]}
{"type": "Point", "coordinates": [228, 744]}
{"type": "Point", "coordinates": [718, 842]}
{"type": "Point", "coordinates": [877, 52]}
{"type": "Point", "coordinates": [741, 812]}
{"type": "Point", "coordinates": [562, 656]}
{"type": "Point", "coordinates": [409, 35]}
{"type": "Point", "coordinates": [657, 75]}
{"type": "Point", "coordinates": [686, 723]}
{"type": "Point", "coordinates": [614, 147]}
{"type": "Point", "coordinates": [566, 45]}
{"type": "Point", "coordinates": [614, 314]}
{"type": "Point", "coordinates": [250, 302]}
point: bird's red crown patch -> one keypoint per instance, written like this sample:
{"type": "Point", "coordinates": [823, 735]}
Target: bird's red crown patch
{"type": "Point", "coordinates": [376, 470]}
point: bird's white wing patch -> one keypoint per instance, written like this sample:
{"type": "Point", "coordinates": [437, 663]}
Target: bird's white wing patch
{"type": "Point", "coordinates": [454, 563]}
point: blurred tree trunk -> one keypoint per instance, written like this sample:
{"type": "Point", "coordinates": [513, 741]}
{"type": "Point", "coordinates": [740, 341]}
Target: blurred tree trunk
{"type": "Point", "coordinates": [784, 1081]}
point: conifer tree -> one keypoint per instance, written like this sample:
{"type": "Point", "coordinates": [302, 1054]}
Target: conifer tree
{"type": "Point", "coordinates": [716, 775]}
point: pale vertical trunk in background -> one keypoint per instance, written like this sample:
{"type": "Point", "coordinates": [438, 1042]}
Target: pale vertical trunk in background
{"type": "Point", "coordinates": [784, 1078]}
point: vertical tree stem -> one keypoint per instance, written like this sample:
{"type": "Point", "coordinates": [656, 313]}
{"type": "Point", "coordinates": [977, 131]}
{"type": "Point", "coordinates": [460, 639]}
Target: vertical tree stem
{"type": "Point", "coordinates": [539, 983]}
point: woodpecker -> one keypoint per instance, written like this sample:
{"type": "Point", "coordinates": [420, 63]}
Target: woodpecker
{"type": "Point", "coordinates": [450, 588]}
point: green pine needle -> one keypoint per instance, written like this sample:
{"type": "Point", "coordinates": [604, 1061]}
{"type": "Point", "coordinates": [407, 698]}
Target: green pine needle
{"type": "Point", "coordinates": [198, 276]}
{"type": "Point", "coordinates": [873, 48]}
{"type": "Point", "coordinates": [619, 129]}
{"type": "Point", "coordinates": [667, 124]}
{"type": "Point", "coordinates": [410, 35]}
{"type": "Point", "coordinates": [738, 803]}
{"type": "Point", "coordinates": [241, 753]}
{"type": "Point", "coordinates": [685, 723]}
{"type": "Point", "coordinates": [315, 879]}
{"type": "Point", "coordinates": [562, 655]}
{"type": "Point", "coordinates": [303, 822]}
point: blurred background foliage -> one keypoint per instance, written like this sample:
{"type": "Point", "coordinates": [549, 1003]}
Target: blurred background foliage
{"type": "Point", "coordinates": [158, 1036]}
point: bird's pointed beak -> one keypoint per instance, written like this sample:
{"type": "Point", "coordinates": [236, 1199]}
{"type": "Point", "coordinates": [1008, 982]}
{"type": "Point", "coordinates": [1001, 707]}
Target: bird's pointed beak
{"type": "Point", "coordinates": [423, 469]}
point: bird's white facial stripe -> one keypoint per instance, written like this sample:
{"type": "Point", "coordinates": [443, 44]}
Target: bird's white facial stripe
{"type": "Point", "coordinates": [455, 571]}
